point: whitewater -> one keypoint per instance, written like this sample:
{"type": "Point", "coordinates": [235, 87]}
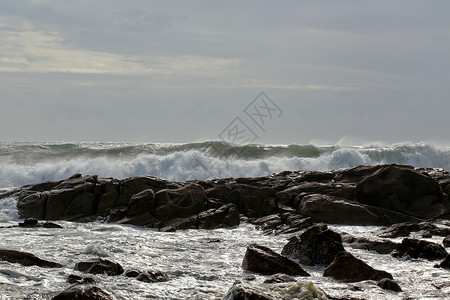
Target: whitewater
{"type": "Point", "coordinates": [202, 264]}
{"type": "Point", "coordinates": [25, 162]}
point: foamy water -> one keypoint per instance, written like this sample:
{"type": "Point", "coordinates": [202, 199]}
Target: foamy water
{"type": "Point", "coordinates": [202, 264]}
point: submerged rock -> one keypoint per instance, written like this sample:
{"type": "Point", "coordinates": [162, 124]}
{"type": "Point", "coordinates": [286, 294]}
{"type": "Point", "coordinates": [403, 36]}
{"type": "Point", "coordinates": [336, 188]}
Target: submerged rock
{"type": "Point", "coordinates": [100, 266]}
{"type": "Point", "coordinates": [389, 284]}
{"type": "Point", "coordinates": [84, 292]}
{"type": "Point", "coordinates": [420, 249]}
{"type": "Point", "coordinates": [260, 259]}
{"type": "Point", "coordinates": [26, 259]}
{"type": "Point", "coordinates": [318, 245]}
{"type": "Point", "coordinates": [347, 267]}
{"type": "Point", "coordinates": [153, 276]}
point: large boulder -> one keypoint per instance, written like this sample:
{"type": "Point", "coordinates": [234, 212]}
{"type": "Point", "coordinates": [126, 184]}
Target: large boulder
{"type": "Point", "coordinates": [132, 186]}
{"type": "Point", "coordinates": [179, 203]}
{"type": "Point", "coordinates": [26, 259]}
{"type": "Point", "coordinates": [84, 292]}
{"type": "Point", "coordinates": [318, 245]}
{"type": "Point", "coordinates": [328, 209]}
{"type": "Point", "coordinates": [141, 202]}
{"type": "Point", "coordinates": [420, 249]}
{"type": "Point", "coordinates": [254, 201]}
{"type": "Point", "coordinates": [347, 267]}
{"type": "Point", "coordinates": [100, 266]}
{"type": "Point", "coordinates": [260, 259]}
{"type": "Point", "coordinates": [402, 189]}
{"type": "Point", "coordinates": [32, 205]}
{"type": "Point", "coordinates": [225, 216]}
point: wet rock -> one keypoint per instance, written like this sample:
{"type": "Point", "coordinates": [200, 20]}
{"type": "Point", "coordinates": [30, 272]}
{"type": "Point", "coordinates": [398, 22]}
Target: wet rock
{"type": "Point", "coordinates": [347, 267]}
{"type": "Point", "coordinates": [280, 277]}
{"type": "Point", "coordinates": [332, 210]}
{"type": "Point", "coordinates": [84, 292]}
{"type": "Point", "coordinates": [420, 249]}
{"type": "Point", "coordinates": [282, 223]}
{"type": "Point", "coordinates": [389, 284]}
{"type": "Point", "coordinates": [446, 241]}
{"type": "Point", "coordinates": [225, 216]}
{"type": "Point", "coordinates": [26, 259]}
{"type": "Point", "coordinates": [260, 259]}
{"type": "Point", "coordinates": [80, 280]}
{"type": "Point", "coordinates": [132, 273]}
{"type": "Point", "coordinates": [132, 186]}
{"type": "Point", "coordinates": [30, 222]}
{"type": "Point", "coordinates": [141, 202]}
{"type": "Point", "coordinates": [153, 276]}
{"type": "Point", "coordinates": [318, 245]}
{"type": "Point", "coordinates": [402, 189]}
{"type": "Point", "coordinates": [381, 247]}
{"type": "Point", "coordinates": [32, 205]}
{"type": "Point", "coordinates": [100, 266]}
{"type": "Point", "coordinates": [179, 203]}
{"type": "Point", "coordinates": [332, 189]}
{"type": "Point", "coordinates": [405, 229]}
{"type": "Point", "coordinates": [254, 202]}
{"type": "Point", "coordinates": [245, 291]}
{"type": "Point", "coordinates": [445, 264]}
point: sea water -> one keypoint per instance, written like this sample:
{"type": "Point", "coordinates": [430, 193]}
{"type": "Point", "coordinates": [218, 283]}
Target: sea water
{"type": "Point", "coordinates": [202, 264]}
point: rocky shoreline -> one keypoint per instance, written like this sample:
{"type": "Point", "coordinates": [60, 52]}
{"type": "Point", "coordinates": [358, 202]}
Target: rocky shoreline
{"type": "Point", "coordinates": [297, 204]}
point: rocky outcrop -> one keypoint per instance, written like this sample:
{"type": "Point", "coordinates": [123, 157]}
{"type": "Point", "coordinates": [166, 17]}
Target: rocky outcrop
{"type": "Point", "coordinates": [100, 266]}
{"type": "Point", "coordinates": [84, 292]}
{"type": "Point", "coordinates": [402, 189]}
{"type": "Point", "coordinates": [381, 247]}
{"type": "Point", "coordinates": [347, 267]}
{"type": "Point", "coordinates": [420, 249]}
{"type": "Point", "coordinates": [260, 259]}
{"type": "Point", "coordinates": [26, 259]}
{"type": "Point", "coordinates": [318, 245]}
{"type": "Point", "coordinates": [426, 229]}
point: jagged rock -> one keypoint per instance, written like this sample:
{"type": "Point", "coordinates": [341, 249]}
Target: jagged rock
{"type": "Point", "coordinates": [318, 245]}
{"type": "Point", "coordinates": [381, 247]}
{"type": "Point", "coordinates": [327, 209]}
{"type": "Point", "coordinates": [260, 259]}
{"type": "Point", "coordinates": [420, 249]}
{"type": "Point", "coordinates": [32, 205]}
{"type": "Point", "coordinates": [225, 216]}
{"type": "Point", "coordinates": [339, 190]}
{"type": "Point", "coordinates": [179, 203]}
{"type": "Point", "coordinates": [100, 266]}
{"type": "Point", "coordinates": [389, 284]}
{"type": "Point", "coordinates": [444, 264]}
{"type": "Point", "coordinates": [405, 229]}
{"type": "Point", "coordinates": [84, 292]}
{"type": "Point", "coordinates": [347, 267]}
{"type": "Point", "coordinates": [153, 276]}
{"type": "Point", "coordinates": [142, 202]}
{"type": "Point", "coordinates": [132, 186]}
{"type": "Point", "coordinates": [253, 201]}
{"type": "Point", "coordinates": [280, 277]}
{"type": "Point", "coordinates": [402, 189]}
{"type": "Point", "coordinates": [282, 223]}
{"type": "Point", "coordinates": [26, 259]}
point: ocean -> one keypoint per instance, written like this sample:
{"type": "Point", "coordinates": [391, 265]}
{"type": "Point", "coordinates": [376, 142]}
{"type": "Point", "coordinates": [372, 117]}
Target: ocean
{"type": "Point", "coordinates": [202, 264]}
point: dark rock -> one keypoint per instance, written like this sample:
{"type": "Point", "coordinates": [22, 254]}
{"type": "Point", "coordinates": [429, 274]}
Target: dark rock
{"type": "Point", "coordinates": [51, 225]}
{"type": "Point", "coordinates": [324, 208]}
{"type": "Point", "coordinates": [347, 267]}
{"type": "Point", "coordinates": [26, 259]}
{"type": "Point", "coordinates": [142, 202]}
{"type": "Point", "coordinates": [389, 284]}
{"type": "Point", "coordinates": [225, 216]}
{"type": "Point", "coordinates": [80, 280]}
{"type": "Point", "coordinates": [446, 241]}
{"type": "Point", "coordinates": [260, 259]}
{"type": "Point", "coordinates": [254, 202]}
{"type": "Point", "coordinates": [280, 277]}
{"type": "Point", "coordinates": [84, 292]}
{"type": "Point", "coordinates": [30, 222]}
{"type": "Point", "coordinates": [32, 205]}
{"type": "Point", "coordinates": [339, 190]}
{"type": "Point", "coordinates": [405, 229]}
{"type": "Point", "coordinates": [420, 249]}
{"type": "Point", "coordinates": [318, 245]}
{"type": "Point", "coordinates": [445, 264]}
{"type": "Point", "coordinates": [402, 189]}
{"type": "Point", "coordinates": [179, 203]}
{"type": "Point", "coordinates": [245, 291]}
{"type": "Point", "coordinates": [153, 276]}
{"type": "Point", "coordinates": [132, 186]}
{"type": "Point", "coordinates": [132, 273]}
{"type": "Point", "coordinates": [381, 247]}
{"type": "Point", "coordinates": [100, 266]}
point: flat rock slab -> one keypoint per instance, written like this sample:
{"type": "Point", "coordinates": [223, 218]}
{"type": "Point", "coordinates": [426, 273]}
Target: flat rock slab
{"type": "Point", "coordinates": [26, 259]}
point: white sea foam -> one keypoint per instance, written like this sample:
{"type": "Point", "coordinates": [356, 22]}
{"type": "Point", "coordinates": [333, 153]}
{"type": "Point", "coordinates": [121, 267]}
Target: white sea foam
{"type": "Point", "coordinates": [193, 161]}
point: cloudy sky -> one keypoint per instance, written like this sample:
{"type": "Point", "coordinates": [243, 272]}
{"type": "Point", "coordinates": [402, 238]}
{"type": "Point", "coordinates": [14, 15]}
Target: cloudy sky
{"type": "Point", "coordinates": [183, 71]}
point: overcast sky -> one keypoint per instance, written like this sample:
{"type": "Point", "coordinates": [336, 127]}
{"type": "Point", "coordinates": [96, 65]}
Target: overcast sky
{"type": "Point", "coordinates": [183, 71]}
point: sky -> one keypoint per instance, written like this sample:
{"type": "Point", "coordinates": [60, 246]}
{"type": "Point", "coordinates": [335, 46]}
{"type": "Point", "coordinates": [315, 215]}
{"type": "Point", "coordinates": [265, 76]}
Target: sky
{"type": "Point", "coordinates": [277, 72]}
